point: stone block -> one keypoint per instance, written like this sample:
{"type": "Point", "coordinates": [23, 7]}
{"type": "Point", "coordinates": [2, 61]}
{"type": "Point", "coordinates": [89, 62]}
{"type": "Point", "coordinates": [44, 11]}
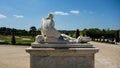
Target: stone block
{"type": "Point", "coordinates": [62, 58]}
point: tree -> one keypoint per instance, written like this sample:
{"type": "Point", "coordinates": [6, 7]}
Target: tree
{"type": "Point", "coordinates": [117, 36]}
{"type": "Point", "coordinates": [38, 32]}
{"type": "Point", "coordinates": [77, 33]}
{"type": "Point", "coordinates": [83, 32]}
{"type": "Point", "coordinates": [13, 41]}
{"type": "Point", "coordinates": [33, 31]}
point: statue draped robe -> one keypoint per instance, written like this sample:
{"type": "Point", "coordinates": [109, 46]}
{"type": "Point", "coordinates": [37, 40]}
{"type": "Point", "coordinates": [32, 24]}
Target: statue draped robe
{"type": "Point", "coordinates": [49, 33]}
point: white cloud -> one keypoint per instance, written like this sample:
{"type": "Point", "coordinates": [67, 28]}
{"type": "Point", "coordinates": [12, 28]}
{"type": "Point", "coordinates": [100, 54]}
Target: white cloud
{"type": "Point", "coordinates": [75, 11]}
{"type": "Point", "coordinates": [2, 16]}
{"type": "Point", "coordinates": [18, 16]}
{"type": "Point", "coordinates": [60, 13]}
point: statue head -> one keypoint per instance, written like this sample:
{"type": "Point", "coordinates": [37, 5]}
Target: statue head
{"type": "Point", "coordinates": [50, 16]}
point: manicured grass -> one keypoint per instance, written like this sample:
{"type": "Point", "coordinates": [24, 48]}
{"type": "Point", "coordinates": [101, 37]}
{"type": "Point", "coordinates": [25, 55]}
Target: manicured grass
{"type": "Point", "coordinates": [5, 39]}
{"type": "Point", "coordinates": [20, 40]}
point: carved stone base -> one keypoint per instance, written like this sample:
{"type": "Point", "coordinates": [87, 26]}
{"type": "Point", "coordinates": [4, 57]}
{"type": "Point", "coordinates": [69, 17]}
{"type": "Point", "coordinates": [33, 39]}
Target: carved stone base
{"type": "Point", "coordinates": [61, 45]}
{"type": "Point", "coordinates": [62, 58]}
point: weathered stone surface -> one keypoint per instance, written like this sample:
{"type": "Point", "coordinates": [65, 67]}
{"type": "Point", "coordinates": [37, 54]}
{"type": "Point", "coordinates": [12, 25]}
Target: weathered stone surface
{"type": "Point", "coordinates": [62, 62]}
{"type": "Point", "coordinates": [60, 45]}
{"type": "Point", "coordinates": [62, 58]}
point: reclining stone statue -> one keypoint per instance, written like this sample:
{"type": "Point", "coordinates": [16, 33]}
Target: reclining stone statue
{"type": "Point", "coordinates": [51, 35]}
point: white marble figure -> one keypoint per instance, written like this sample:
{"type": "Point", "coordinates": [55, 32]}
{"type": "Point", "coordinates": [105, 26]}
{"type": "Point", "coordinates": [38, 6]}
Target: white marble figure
{"type": "Point", "coordinates": [50, 34]}
{"type": "Point", "coordinates": [38, 39]}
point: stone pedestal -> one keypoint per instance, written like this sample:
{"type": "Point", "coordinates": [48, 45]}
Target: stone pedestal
{"type": "Point", "coordinates": [77, 57]}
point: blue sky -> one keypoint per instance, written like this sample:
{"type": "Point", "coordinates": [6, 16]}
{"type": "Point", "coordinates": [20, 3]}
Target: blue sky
{"type": "Point", "coordinates": [68, 14]}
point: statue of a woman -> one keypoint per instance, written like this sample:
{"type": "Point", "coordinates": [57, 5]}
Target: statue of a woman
{"type": "Point", "coordinates": [49, 33]}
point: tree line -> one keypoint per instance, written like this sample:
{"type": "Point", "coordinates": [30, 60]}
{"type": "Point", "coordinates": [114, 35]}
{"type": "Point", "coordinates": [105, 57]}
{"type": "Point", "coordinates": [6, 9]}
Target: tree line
{"type": "Point", "coordinates": [94, 33]}
{"type": "Point", "coordinates": [19, 32]}
{"type": "Point", "coordinates": [102, 34]}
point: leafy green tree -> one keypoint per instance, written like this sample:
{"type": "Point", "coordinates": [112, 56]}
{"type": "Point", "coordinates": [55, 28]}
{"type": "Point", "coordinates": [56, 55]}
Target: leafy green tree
{"type": "Point", "coordinates": [38, 32]}
{"type": "Point", "coordinates": [93, 33]}
{"type": "Point", "coordinates": [83, 32]}
{"type": "Point", "coordinates": [33, 31]}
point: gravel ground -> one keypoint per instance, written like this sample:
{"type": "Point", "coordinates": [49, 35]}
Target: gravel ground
{"type": "Point", "coordinates": [16, 57]}
{"type": "Point", "coordinates": [108, 55]}
{"type": "Point", "coordinates": [13, 57]}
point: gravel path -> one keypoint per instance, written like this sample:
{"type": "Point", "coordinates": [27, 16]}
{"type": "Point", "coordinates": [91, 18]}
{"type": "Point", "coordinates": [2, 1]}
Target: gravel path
{"type": "Point", "coordinates": [13, 57]}
{"type": "Point", "coordinates": [108, 55]}
{"type": "Point", "coordinates": [16, 57]}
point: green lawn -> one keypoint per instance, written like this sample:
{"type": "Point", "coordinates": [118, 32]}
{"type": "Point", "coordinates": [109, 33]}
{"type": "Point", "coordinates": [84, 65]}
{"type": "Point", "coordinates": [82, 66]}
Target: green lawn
{"type": "Point", "coordinates": [20, 40]}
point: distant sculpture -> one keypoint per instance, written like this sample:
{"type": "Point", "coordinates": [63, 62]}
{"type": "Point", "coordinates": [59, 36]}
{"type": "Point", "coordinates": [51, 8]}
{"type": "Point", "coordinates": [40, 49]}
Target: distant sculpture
{"type": "Point", "coordinates": [50, 34]}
